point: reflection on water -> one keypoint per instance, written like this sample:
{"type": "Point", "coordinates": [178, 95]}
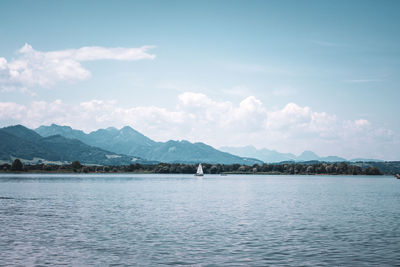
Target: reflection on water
{"type": "Point", "coordinates": [236, 220]}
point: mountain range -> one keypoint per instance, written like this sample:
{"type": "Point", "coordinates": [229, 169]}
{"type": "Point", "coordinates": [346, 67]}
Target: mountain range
{"type": "Point", "coordinates": [111, 146]}
{"type": "Point", "coordinates": [272, 156]}
{"type": "Point", "coordinates": [128, 141]}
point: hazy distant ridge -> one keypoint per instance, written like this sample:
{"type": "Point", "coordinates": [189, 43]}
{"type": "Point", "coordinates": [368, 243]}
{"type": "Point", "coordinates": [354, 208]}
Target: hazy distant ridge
{"type": "Point", "coordinates": [272, 156]}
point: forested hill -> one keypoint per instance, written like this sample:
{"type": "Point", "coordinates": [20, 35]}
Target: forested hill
{"type": "Point", "coordinates": [21, 142]}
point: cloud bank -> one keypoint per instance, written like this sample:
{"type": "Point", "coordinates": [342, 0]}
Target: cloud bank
{"type": "Point", "coordinates": [35, 68]}
{"type": "Point", "coordinates": [197, 117]}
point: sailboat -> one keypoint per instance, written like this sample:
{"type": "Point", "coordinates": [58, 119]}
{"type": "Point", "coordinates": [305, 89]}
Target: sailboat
{"type": "Point", "coordinates": [199, 171]}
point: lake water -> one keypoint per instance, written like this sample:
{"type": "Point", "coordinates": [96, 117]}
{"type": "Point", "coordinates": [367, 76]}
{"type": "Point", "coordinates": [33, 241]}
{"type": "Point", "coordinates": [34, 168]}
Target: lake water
{"type": "Point", "coordinates": [148, 220]}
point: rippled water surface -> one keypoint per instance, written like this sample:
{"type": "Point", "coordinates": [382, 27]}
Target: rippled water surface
{"type": "Point", "coordinates": [146, 220]}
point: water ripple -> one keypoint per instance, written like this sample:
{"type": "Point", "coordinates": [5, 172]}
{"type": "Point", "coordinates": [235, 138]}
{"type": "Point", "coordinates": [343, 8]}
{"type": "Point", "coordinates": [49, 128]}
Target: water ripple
{"type": "Point", "coordinates": [177, 220]}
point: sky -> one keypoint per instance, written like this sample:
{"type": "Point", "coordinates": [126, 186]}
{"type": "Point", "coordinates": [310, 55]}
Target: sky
{"type": "Point", "coordinates": [283, 75]}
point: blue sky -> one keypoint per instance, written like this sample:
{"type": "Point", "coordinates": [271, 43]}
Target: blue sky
{"type": "Point", "coordinates": [286, 75]}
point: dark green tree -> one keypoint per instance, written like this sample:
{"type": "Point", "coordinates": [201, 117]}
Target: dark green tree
{"type": "Point", "coordinates": [17, 166]}
{"type": "Point", "coordinates": [76, 165]}
{"type": "Point", "coordinates": [213, 169]}
{"type": "Point", "coordinates": [372, 171]}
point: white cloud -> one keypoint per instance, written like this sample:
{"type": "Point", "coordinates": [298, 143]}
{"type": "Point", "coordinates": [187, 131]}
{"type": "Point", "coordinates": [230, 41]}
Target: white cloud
{"type": "Point", "coordinates": [88, 53]}
{"type": "Point", "coordinates": [23, 90]}
{"type": "Point", "coordinates": [36, 68]}
{"type": "Point", "coordinates": [3, 63]}
{"type": "Point", "coordinates": [296, 120]}
{"type": "Point", "coordinates": [197, 117]}
{"type": "Point", "coordinates": [361, 122]}
{"type": "Point", "coordinates": [10, 111]}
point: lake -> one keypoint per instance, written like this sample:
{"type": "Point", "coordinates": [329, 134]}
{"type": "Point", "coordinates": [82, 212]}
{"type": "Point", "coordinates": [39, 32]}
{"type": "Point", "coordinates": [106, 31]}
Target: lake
{"type": "Point", "coordinates": [234, 220]}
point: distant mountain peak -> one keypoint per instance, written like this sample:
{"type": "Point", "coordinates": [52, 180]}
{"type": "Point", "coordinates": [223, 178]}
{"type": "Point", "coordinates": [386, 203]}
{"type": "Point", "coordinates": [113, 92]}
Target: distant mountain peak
{"type": "Point", "coordinates": [22, 132]}
{"type": "Point", "coordinates": [17, 126]}
{"type": "Point", "coordinates": [56, 128]}
{"type": "Point", "coordinates": [127, 128]}
{"type": "Point", "coordinates": [272, 156]}
{"type": "Point", "coordinates": [308, 153]}
{"type": "Point", "coordinates": [60, 126]}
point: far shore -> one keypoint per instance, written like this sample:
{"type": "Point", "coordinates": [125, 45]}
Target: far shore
{"type": "Point", "coordinates": [2, 173]}
{"type": "Point", "coordinates": [319, 168]}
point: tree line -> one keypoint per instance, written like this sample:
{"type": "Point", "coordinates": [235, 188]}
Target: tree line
{"type": "Point", "coordinates": [320, 168]}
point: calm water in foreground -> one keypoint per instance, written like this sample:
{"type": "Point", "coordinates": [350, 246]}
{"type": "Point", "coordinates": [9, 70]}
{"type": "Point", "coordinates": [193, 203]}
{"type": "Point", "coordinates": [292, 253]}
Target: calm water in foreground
{"type": "Point", "coordinates": [146, 220]}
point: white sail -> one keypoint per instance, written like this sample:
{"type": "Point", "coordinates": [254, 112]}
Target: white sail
{"type": "Point", "coordinates": [199, 170]}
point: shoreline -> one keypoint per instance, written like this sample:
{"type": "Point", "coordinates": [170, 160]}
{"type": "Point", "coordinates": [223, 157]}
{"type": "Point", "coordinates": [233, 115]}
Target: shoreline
{"type": "Point", "coordinates": [314, 168]}
{"type": "Point", "coordinates": [2, 173]}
